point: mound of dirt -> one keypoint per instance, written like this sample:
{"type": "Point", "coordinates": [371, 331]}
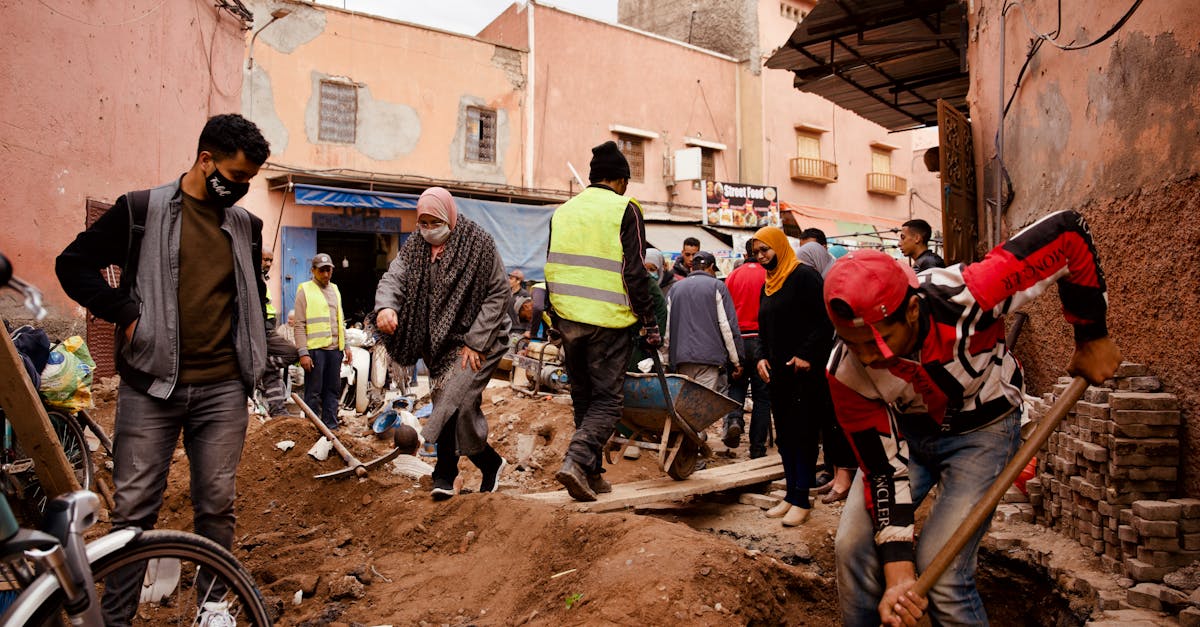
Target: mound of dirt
{"type": "Point", "coordinates": [379, 551]}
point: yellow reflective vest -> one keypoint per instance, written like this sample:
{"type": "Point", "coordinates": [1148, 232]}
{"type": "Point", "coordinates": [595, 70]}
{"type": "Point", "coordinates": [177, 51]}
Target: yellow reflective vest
{"type": "Point", "coordinates": [318, 321]}
{"type": "Point", "coordinates": [583, 266]}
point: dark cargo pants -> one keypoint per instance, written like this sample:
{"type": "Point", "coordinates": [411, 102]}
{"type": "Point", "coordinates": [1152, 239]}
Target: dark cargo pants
{"type": "Point", "coordinates": [595, 359]}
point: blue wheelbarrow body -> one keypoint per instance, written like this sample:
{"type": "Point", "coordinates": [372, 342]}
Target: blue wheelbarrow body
{"type": "Point", "coordinates": [646, 415]}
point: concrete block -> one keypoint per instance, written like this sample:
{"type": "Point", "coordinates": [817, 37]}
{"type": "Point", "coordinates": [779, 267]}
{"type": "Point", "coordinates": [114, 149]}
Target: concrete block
{"type": "Point", "coordinates": [1155, 528]}
{"type": "Point", "coordinates": [1093, 409]}
{"type": "Point", "coordinates": [1162, 544]}
{"type": "Point", "coordinates": [1191, 507]}
{"type": "Point", "coordinates": [1157, 510]}
{"type": "Point", "coordinates": [758, 500]}
{"type": "Point", "coordinates": [1189, 617]}
{"type": "Point", "coordinates": [1142, 595]}
{"type": "Point", "coordinates": [1189, 525]}
{"type": "Point", "coordinates": [1143, 431]}
{"type": "Point", "coordinates": [1143, 401]}
{"type": "Point", "coordinates": [1140, 384]}
{"type": "Point", "coordinates": [1110, 599]}
{"type": "Point", "coordinates": [1096, 395]}
{"type": "Point", "coordinates": [1093, 452]}
{"type": "Point", "coordinates": [1142, 571]}
{"type": "Point", "coordinates": [1127, 533]}
{"type": "Point", "coordinates": [1131, 369]}
{"type": "Point", "coordinates": [1167, 417]}
{"type": "Point", "coordinates": [1190, 541]}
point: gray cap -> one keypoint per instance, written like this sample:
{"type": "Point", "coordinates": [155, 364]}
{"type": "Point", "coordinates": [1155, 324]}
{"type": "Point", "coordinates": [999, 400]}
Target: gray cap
{"type": "Point", "coordinates": [703, 259]}
{"type": "Point", "coordinates": [322, 260]}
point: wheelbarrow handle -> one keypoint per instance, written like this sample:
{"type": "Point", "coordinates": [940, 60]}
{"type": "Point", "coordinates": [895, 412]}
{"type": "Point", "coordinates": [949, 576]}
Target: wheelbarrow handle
{"type": "Point", "coordinates": [676, 420]}
{"type": "Point", "coordinates": [983, 510]}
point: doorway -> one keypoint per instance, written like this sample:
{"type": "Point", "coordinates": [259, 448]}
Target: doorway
{"type": "Point", "coordinates": [359, 261]}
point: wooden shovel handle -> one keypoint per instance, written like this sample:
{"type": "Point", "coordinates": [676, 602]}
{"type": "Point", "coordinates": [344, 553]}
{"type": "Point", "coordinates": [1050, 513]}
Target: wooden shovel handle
{"type": "Point", "coordinates": [983, 510]}
{"type": "Point", "coordinates": [349, 457]}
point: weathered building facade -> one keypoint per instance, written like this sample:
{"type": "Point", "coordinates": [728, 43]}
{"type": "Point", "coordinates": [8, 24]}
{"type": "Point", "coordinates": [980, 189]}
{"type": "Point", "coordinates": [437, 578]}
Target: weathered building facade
{"type": "Point", "coordinates": [1110, 130]}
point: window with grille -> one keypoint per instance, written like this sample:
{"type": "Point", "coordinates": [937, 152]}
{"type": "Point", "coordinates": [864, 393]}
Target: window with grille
{"type": "Point", "coordinates": [481, 134]}
{"type": "Point", "coordinates": [338, 113]}
{"type": "Point", "coordinates": [634, 149]}
{"type": "Point", "coordinates": [708, 164]}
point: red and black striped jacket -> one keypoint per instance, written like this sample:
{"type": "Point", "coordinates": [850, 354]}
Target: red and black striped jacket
{"type": "Point", "coordinates": [961, 376]}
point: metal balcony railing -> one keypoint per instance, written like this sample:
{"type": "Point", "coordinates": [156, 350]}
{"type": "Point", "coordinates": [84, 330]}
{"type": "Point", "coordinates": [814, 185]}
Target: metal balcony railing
{"type": "Point", "coordinates": [813, 170]}
{"type": "Point", "coordinates": [890, 184]}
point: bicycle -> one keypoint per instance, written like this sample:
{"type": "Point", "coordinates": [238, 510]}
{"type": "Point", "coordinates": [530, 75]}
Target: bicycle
{"type": "Point", "coordinates": [184, 578]}
{"type": "Point", "coordinates": [16, 466]}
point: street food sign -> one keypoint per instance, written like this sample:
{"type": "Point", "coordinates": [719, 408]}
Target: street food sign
{"type": "Point", "coordinates": [740, 205]}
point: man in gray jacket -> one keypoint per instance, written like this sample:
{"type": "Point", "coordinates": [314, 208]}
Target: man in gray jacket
{"type": "Point", "coordinates": [702, 328]}
{"type": "Point", "coordinates": [191, 335]}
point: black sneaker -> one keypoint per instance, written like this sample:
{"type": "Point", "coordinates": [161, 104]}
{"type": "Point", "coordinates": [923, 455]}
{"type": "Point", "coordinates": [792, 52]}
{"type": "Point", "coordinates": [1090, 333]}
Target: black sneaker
{"type": "Point", "coordinates": [733, 436]}
{"type": "Point", "coordinates": [490, 479]}
{"type": "Point", "coordinates": [756, 453]}
{"type": "Point", "coordinates": [575, 480]}
{"type": "Point", "coordinates": [442, 489]}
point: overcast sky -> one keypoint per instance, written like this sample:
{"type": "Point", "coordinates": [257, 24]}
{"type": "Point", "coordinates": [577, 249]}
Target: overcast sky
{"type": "Point", "coordinates": [465, 16]}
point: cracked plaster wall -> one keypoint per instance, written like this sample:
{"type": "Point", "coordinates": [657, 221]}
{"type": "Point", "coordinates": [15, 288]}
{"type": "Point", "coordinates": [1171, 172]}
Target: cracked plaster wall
{"type": "Point", "coordinates": [383, 130]}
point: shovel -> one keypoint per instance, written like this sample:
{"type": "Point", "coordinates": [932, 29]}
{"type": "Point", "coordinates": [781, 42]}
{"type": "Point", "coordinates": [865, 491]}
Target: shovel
{"type": "Point", "coordinates": [983, 510]}
{"type": "Point", "coordinates": [353, 466]}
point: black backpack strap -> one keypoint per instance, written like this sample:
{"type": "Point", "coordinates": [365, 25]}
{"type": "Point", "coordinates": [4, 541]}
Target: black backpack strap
{"type": "Point", "coordinates": [139, 205]}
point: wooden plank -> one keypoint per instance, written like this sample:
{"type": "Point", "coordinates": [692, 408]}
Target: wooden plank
{"type": "Point", "coordinates": [25, 413]}
{"type": "Point", "coordinates": [628, 495]}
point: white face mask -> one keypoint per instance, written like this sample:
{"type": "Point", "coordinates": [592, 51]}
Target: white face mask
{"type": "Point", "coordinates": [437, 235]}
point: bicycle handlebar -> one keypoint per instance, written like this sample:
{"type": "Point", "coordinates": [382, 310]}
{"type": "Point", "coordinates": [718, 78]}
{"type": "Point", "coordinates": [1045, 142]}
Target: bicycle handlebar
{"type": "Point", "coordinates": [32, 295]}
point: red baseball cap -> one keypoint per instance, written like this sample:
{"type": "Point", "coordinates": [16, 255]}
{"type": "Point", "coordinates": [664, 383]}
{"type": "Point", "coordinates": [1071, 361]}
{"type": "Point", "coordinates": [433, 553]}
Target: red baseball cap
{"type": "Point", "coordinates": [873, 285]}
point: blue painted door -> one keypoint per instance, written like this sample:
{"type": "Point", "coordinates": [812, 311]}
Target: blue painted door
{"type": "Point", "coordinates": [299, 247]}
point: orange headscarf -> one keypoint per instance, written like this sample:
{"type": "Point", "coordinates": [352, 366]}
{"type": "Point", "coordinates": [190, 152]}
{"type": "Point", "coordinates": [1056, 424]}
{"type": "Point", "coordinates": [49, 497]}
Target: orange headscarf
{"type": "Point", "coordinates": [784, 255]}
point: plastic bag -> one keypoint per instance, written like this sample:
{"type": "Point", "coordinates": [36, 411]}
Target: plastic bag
{"type": "Point", "coordinates": [67, 378]}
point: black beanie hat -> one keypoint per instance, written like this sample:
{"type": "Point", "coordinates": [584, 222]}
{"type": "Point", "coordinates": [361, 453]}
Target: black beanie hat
{"type": "Point", "coordinates": [608, 164]}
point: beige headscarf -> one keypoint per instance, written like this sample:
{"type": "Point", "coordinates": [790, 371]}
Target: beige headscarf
{"type": "Point", "coordinates": [437, 202]}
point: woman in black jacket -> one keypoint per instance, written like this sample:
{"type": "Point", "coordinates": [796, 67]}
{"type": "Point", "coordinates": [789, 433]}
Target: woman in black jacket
{"type": "Point", "coordinates": [797, 338]}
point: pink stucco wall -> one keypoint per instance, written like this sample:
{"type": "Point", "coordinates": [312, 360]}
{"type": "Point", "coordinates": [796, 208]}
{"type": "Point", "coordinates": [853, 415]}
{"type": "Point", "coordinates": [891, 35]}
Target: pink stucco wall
{"type": "Point", "coordinates": [591, 75]}
{"type": "Point", "coordinates": [847, 142]}
{"type": "Point", "coordinates": [91, 110]}
{"type": "Point", "coordinates": [1110, 131]}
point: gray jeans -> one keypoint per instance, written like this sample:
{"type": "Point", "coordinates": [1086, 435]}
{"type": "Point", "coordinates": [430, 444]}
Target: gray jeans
{"type": "Point", "coordinates": [213, 419]}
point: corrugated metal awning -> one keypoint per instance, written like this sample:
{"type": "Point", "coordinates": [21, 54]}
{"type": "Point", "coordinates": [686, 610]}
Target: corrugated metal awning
{"type": "Point", "coordinates": [889, 61]}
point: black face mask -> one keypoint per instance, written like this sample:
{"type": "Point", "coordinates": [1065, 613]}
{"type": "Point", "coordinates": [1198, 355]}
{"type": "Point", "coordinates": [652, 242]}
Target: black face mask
{"type": "Point", "coordinates": [770, 265]}
{"type": "Point", "coordinates": [222, 191]}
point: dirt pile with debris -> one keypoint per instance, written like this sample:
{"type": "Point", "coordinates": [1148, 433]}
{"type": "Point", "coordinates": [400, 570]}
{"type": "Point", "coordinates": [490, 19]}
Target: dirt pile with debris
{"type": "Point", "coordinates": [379, 551]}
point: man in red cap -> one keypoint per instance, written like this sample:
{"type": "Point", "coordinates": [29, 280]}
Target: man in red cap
{"type": "Point", "coordinates": [928, 394]}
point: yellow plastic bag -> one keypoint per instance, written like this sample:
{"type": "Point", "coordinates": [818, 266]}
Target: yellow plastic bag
{"type": "Point", "coordinates": [67, 377]}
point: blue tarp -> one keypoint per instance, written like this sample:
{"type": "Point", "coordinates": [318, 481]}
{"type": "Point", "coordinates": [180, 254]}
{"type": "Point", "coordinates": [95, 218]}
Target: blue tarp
{"type": "Point", "coordinates": [521, 231]}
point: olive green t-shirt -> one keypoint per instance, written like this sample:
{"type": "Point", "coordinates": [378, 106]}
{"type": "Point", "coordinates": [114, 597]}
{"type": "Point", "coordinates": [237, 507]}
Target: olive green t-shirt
{"type": "Point", "coordinates": [206, 296]}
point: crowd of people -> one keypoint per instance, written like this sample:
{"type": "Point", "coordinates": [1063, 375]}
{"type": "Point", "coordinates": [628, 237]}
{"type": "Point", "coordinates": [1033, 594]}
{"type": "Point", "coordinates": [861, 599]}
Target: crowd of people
{"type": "Point", "coordinates": [903, 379]}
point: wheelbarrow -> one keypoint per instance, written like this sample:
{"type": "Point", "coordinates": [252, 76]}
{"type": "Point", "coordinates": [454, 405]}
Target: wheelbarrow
{"type": "Point", "coordinates": [676, 424]}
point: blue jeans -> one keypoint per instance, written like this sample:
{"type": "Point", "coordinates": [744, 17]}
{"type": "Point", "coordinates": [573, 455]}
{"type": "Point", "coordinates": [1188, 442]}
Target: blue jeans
{"type": "Point", "coordinates": [760, 415]}
{"type": "Point", "coordinates": [965, 466]}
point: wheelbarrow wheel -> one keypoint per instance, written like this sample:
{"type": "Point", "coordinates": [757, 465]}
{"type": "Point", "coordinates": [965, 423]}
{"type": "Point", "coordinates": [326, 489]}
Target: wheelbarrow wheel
{"type": "Point", "coordinates": [685, 460]}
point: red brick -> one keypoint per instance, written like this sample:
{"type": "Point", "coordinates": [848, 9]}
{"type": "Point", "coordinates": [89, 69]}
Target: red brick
{"type": "Point", "coordinates": [1131, 369]}
{"type": "Point", "coordinates": [1140, 384]}
{"type": "Point", "coordinates": [1191, 507]}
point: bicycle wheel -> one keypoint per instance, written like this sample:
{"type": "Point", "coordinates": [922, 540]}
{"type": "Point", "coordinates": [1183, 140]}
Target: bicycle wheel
{"type": "Point", "coordinates": [70, 436]}
{"type": "Point", "coordinates": [185, 579]}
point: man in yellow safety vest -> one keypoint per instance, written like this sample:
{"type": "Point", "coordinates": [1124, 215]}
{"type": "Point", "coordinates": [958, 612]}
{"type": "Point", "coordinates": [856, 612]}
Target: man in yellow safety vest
{"type": "Point", "coordinates": [599, 289]}
{"type": "Point", "coordinates": [321, 338]}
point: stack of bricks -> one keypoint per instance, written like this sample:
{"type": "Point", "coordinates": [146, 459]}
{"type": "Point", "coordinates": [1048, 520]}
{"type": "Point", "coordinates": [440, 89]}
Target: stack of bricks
{"type": "Point", "coordinates": [1118, 445]}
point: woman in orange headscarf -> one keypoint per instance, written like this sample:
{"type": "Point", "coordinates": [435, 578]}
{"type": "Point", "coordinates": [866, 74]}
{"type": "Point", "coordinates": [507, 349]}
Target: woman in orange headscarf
{"type": "Point", "coordinates": [797, 338]}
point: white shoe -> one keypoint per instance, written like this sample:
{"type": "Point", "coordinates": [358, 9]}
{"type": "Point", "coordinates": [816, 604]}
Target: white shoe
{"type": "Point", "coordinates": [779, 510]}
{"type": "Point", "coordinates": [216, 614]}
{"type": "Point", "coordinates": [796, 516]}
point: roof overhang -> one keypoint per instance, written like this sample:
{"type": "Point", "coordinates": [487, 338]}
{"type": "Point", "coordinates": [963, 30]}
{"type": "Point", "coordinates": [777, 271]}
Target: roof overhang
{"type": "Point", "coordinates": [283, 178]}
{"type": "Point", "coordinates": [889, 61]}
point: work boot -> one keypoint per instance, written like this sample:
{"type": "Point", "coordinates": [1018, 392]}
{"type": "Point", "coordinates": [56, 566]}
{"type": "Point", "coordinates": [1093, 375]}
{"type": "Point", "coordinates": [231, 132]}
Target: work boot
{"type": "Point", "coordinates": [757, 452]}
{"type": "Point", "coordinates": [575, 480]}
{"type": "Point", "coordinates": [733, 436]}
{"type": "Point", "coordinates": [598, 484]}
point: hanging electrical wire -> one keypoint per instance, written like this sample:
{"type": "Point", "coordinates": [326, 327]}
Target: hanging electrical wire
{"type": "Point", "coordinates": [1049, 39]}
